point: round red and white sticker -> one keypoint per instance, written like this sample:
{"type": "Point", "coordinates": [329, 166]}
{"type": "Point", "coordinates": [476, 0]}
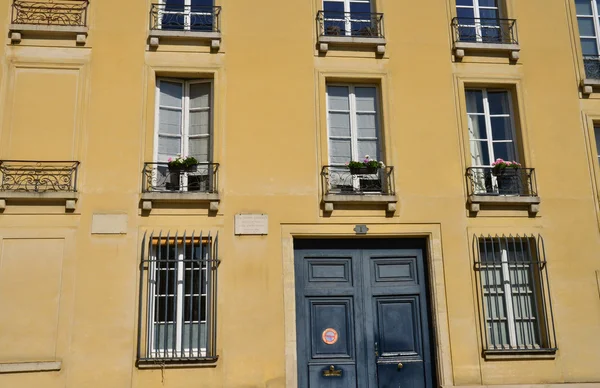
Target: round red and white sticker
{"type": "Point", "coordinates": [330, 336]}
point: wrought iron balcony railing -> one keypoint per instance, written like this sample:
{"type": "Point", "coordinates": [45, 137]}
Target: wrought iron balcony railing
{"type": "Point", "coordinates": [54, 13]}
{"type": "Point", "coordinates": [592, 66]}
{"type": "Point", "coordinates": [479, 30]}
{"type": "Point", "coordinates": [511, 181]}
{"type": "Point", "coordinates": [158, 177]}
{"type": "Point", "coordinates": [185, 18]}
{"type": "Point", "coordinates": [339, 180]}
{"type": "Point", "coordinates": [37, 176]}
{"type": "Point", "coordinates": [350, 24]}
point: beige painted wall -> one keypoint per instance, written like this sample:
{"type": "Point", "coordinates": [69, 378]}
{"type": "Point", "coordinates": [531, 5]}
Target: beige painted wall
{"type": "Point", "coordinates": [95, 103]}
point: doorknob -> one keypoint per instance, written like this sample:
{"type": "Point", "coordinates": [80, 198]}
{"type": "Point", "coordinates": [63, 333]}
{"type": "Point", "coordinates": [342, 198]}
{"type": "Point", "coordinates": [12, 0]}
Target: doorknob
{"type": "Point", "coordinates": [400, 366]}
{"type": "Point", "coordinates": [376, 349]}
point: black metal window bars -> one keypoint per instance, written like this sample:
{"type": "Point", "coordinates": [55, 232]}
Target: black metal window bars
{"type": "Point", "coordinates": [515, 298]}
{"type": "Point", "coordinates": [350, 24]}
{"type": "Point", "coordinates": [481, 30]}
{"type": "Point", "coordinates": [591, 64]}
{"type": "Point", "coordinates": [55, 13]}
{"type": "Point", "coordinates": [178, 298]}
{"type": "Point", "coordinates": [159, 177]}
{"type": "Point", "coordinates": [38, 176]}
{"type": "Point", "coordinates": [344, 181]}
{"type": "Point", "coordinates": [185, 18]}
{"type": "Point", "coordinates": [510, 181]}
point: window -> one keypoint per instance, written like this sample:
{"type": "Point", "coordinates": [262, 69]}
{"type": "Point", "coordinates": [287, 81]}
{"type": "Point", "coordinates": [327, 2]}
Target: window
{"type": "Point", "coordinates": [195, 15]}
{"type": "Point", "coordinates": [479, 21]}
{"type": "Point", "coordinates": [184, 128]}
{"type": "Point", "coordinates": [178, 283]}
{"type": "Point", "coordinates": [353, 132]}
{"type": "Point", "coordinates": [515, 296]}
{"type": "Point", "coordinates": [589, 25]}
{"type": "Point", "coordinates": [348, 17]}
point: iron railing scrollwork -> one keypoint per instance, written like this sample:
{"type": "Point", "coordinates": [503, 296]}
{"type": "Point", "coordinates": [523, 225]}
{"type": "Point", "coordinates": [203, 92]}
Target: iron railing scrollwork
{"type": "Point", "coordinates": [339, 180]}
{"type": "Point", "coordinates": [351, 24]}
{"type": "Point", "coordinates": [158, 177]}
{"type": "Point", "coordinates": [38, 176]}
{"type": "Point", "coordinates": [185, 18]}
{"type": "Point", "coordinates": [481, 30]}
{"type": "Point", "coordinates": [510, 181]}
{"type": "Point", "coordinates": [591, 64]}
{"type": "Point", "coordinates": [71, 13]}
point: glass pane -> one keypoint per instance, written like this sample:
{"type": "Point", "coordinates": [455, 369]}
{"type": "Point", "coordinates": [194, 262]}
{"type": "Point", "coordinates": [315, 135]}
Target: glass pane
{"type": "Point", "coordinates": [202, 3]}
{"type": "Point", "coordinates": [340, 151]}
{"type": "Point", "coordinates": [368, 147]}
{"type": "Point", "coordinates": [586, 26]}
{"type": "Point", "coordinates": [169, 121]}
{"type": "Point", "coordinates": [367, 125]}
{"type": "Point", "coordinates": [170, 94]}
{"type": "Point", "coordinates": [333, 6]}
{"type": "Point", "coordinates": [479, 153]}
{"type": "Point", "coordinates": [465, 13]}
{"type": "Point", "coordinates": [477, 127]}
{"type": "Point", "coordinates": [199, 148]}
{"type": "Point", "coordinates": [584, 7]}
{"type": "Point", "coordinates": [337, 96]}
{"type": "Point", "coordinates": [488, 3]}
{"type": "Point", "coordinates": [474, 101]}
{"type": "Point", "coordinates": [489, 14]}
{"type": "Point", "coordinates": [174, 5]}
{"type": "Point", "coordinates": [339, 124]}
{"type": "Point", "coordinates": [200, 123]}
{"type": "Point", "coordinates": [501, 128]}
{"type": "Point", "coordinates": [504, 151]}
{"type": "Point", "coordinates": [200, 95]}
{"type": "Point", "coordinates": [365, 99]}
{"type": "Point", "coordinates": [464, 2]}
{"type": "Point", "coordinates": [160, 331]}
{"type": "Point", "coordinates": [498, 102]}
{"type": "Point", "coordinates": [589, 46]}
{"type": "Point", "coordinates": [170, 146]}
{"type": "Point", "coordinates": [597, 133]}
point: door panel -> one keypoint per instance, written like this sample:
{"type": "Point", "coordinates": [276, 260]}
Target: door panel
{"type": "Point", "coordinates": [331, 328]}
{"type": "Point", "coordinates": [321, 376]}
{"type": "Point", "coordinates": [398, 326]}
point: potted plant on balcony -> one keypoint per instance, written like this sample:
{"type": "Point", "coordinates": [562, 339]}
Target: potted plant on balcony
{"type": "Point", "coordinates": [333, 30]}
{"type": "Point", "coordinates": [366, 166]}
{"type": "Point", "coordinates": [183, 164]}
{"type": "Point", "coordinates": [508, 176]}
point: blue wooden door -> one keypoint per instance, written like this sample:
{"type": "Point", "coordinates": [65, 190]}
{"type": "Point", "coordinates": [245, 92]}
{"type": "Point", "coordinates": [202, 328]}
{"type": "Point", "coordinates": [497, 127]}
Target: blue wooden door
{"type": "Point", "coordinates": [362, 314]}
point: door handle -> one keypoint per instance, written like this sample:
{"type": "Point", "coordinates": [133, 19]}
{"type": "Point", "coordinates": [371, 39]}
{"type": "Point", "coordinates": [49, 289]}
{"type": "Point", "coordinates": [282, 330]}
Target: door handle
{"type": "Point", "coordinates": [376, 349]}
{"type": "Point", "coordinates": [400, 366]}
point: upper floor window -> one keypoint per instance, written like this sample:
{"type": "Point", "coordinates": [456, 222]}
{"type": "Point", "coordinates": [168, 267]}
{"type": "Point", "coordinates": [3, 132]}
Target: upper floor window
{"type": "Point", "coordinates": [588, 20]}
{"type": "Point", "coordinates": [193, 15]}
{"type": "Point", "coordinates": [597, 135]}
{"type": "Point", "coordinates": [479, 21]}
{"type": "Point", "coordinates": [347, 17]}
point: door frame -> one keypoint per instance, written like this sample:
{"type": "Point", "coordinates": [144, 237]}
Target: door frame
{"type": "Point", "coordinates": [434, 266]}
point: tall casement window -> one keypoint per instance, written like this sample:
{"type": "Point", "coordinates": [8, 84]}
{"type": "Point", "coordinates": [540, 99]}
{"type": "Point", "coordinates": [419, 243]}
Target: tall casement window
{"type": "Point", "coordinates": [597, 135]}
{"type": "Point", "coordinates": [491, 127]}
{"type": "Point", "coordinates": [588, 19]}
{"type": "Point", "coordinates": [184, 128]}
{"type": "Point", "coordinates": [514, 294]}
{"type": "Point", "coordinates": [347, 17]}
{"type": "Point", "coordinates": [194, 15]}
{"type": "Point", "coordinates": [479, 20]}
{"type": "Point", "coordinates": [178, 297]}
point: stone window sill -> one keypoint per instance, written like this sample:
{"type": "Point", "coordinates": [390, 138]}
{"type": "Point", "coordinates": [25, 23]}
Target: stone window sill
{"type": "Point", "coordinates": [462, 48]}
{"type": "Point", "coordinates": [70, 198]}
{"type": "Point", "coordinates": [542, 354]}
{"type": "Point", "coordinates": [201, 36]}
{"type": "Point", "coordinates": [389, 200]}
{"type": "Point", "coordinates": [37, 366]}
{"type": "Point", "coordinates": [349, 41]}
{"type": "Point", "coordinates": [180, 197]}
{"type": "Point", "coordinates": [588, 85]}
{"type": "Point", "coordinates": [17, 30]}
{"type": "Point", "coordinates": [475, 202]}
{"type": "Point", "coordinates": [177, 363]}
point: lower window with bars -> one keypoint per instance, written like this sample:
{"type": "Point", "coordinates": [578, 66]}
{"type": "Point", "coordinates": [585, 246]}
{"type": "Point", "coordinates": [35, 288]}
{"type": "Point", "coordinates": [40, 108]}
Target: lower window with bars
{"type": "Point", "coordinates": [177, 298]}
{"type": "Point", "coordinates": [515, 296]}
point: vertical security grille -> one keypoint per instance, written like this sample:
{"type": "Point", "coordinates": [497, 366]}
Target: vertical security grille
{"type": "Point", "coordinates": [178, 287]}
{"type": "Point", "coordinates": [515, 297]}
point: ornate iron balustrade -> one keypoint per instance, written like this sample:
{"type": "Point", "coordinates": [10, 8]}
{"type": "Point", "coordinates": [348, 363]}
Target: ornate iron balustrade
{"type": "Point", "coordinates": [591, 64]}
{"type": "Point", "coordinates": [158, 177]}
{"type": "Point", "coordinates": [339, 180]}
{"type": "Point", "coordinates": [479, 30]}
{"type": "Point", "coordinates": [353, 24]}
{"type": "Point", "coordinates": [511, 181]}
{"type": "Point", "coordinates": [185, 18]}
{"type": "Point", "coordinates": [53, 12]}
{"type": "Point", "coordinates": [37, 176]}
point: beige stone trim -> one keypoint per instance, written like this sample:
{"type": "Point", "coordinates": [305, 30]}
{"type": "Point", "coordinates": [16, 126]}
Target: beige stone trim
{"type": "Point", "coordinates": [461, 48]}
{"type": "Point", "coordinates": [325, 41]}
{"type": "Point", "coordinates": [440, 330]}
{"type": "Point", "coordinates": [38, 366]}
{"type": "Point", "coordinates": [180, 197]}
{"type": "Point", "coordinates": [475, 202]}
{"type": "Point", "coordinates": [389, 201]}
{"type": "Point", "coordinates": [16, 31]}
{"type": "Point", "coordinates": [70, 198]}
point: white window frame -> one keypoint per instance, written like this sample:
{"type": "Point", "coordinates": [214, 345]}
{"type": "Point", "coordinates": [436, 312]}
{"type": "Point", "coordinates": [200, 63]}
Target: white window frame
{"type": "Point", "coordinates": [187, 13]}
{"type": "Point", "coordinates": [595, 18]}
{"type": "Point", "coordinates": [178, 351]}
{"type": "Point", "coordinates": [477, 16]}
{"type": "Point", "coordinates": [347, 19]}
{"type": "Point", "coordinates": [488, 125]}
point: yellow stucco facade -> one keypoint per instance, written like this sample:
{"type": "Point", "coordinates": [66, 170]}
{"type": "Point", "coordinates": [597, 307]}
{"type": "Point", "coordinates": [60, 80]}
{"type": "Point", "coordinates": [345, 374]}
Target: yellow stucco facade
{"type": "Point", "coordinates": [70, 266]}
